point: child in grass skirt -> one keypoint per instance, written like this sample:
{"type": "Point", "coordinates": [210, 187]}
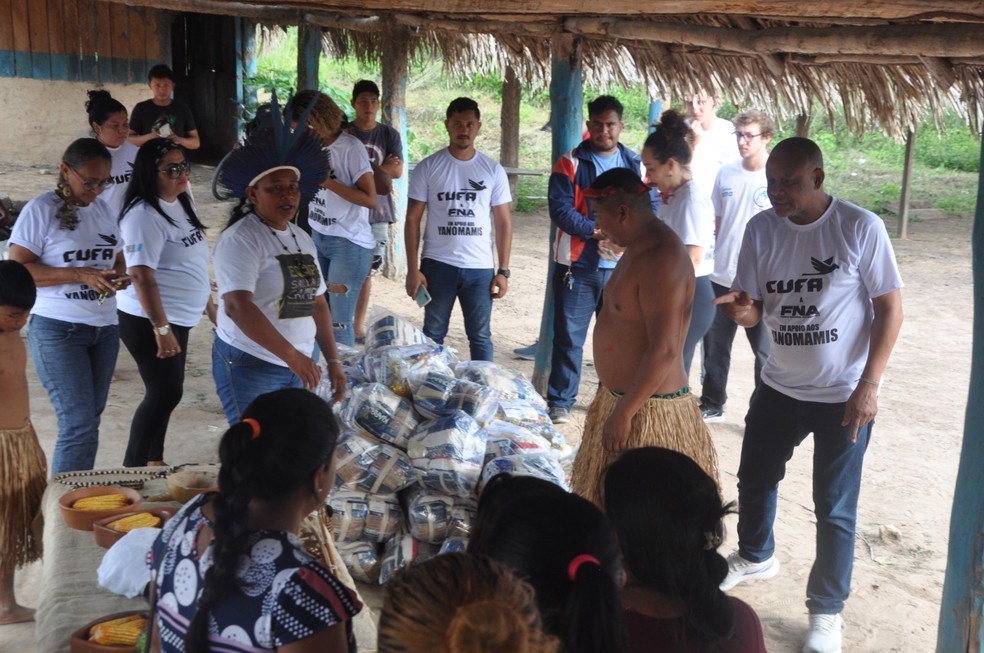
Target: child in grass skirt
{"type": "Point", "coordinates": [22, 463]}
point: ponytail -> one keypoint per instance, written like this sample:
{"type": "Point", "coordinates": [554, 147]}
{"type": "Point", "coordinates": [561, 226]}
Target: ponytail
{"type": "Point", "coordinates": [592, 618]}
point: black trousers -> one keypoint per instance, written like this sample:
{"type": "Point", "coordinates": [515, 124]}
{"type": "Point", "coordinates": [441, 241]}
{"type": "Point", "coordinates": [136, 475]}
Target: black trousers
{"type": "Point", "coordinates": [163, 385]}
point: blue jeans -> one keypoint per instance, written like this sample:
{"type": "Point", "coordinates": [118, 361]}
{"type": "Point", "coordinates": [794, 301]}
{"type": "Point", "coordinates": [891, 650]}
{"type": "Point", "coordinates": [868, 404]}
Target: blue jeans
{"type": "Point", "coordinates": [343, 264]}
{"type": "Point", "coordinates": [75, 364]}
{"type": "Point", "coordinates": [701, 317]}
{"type": "Point", "coordinates": [717, 353]}
{"type": "Point", "coordinates": [472, 287]}
{"type": "Point", "coordinates": [576, 299]}
{"type": "Point", "coordinates": [240, 378]}
{"type": "Point", "coordinates": [774, 426]}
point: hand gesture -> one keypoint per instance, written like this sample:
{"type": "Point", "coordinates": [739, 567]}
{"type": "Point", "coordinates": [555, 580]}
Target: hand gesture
{"type": "Point", "coordinates": [735, 304]}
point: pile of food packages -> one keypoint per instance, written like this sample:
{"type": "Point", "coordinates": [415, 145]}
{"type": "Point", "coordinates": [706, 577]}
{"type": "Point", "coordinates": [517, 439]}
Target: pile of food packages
{"type": "Point", "coordinates": [422, 434]}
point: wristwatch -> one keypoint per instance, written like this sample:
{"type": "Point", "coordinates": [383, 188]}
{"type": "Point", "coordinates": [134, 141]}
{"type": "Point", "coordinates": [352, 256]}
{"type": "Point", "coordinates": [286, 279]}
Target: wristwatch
{"type": "Point", "coordinates": [503, 271]}
{"type": "Point", "coordinates": [163, 329]}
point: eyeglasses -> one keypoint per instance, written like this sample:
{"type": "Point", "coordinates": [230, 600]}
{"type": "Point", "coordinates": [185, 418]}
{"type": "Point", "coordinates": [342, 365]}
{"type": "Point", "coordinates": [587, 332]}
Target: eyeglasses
{"type": "Point", "coordinates": [175, 170]}
{"type": "Point", "coordinates": [745, 136]}
{"type": "Point", "coordinates": [93, 184]}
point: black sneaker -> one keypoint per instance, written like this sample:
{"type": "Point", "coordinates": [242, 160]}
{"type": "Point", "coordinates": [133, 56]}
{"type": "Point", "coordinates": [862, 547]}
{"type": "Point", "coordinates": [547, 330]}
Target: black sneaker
{"type": "Point", "coordinates": [559, 415]}
{"type": "Point", "coordinates": [711, 414]}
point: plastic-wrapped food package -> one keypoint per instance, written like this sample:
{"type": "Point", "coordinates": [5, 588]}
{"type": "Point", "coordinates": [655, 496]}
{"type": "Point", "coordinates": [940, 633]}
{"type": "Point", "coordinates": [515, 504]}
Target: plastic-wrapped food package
{"type": "Point", "coordinates": [439, 394]}
{"type": "Point", "coordinates": [545, 465]}
{"type": "Point", "coordinates": [402, 550]}
{"type": "Point", "coordinates": [372, 466]}
{"type": "Point", "coordinates": [375, 410]}
{"type": "Point", "coordinates": [520, 411]}
{"type": "Point", "coordinates": [557, 440]}
{"type": "Point", "coordinates": [393, 330]}
{"type": "Point", "coordinates": [454, 545]}
{"type": "Point", "coordinates": [507, 383]}
{"type": "Point", "coordinates": [402, 367]}
{"type": "Point", "coordinates": [384, 517]}
{"type": "Point", "coordinates": [350, 510]}
{"type": "Point", "coordinates": [462, 516]}
{"type": "Point", "coordinates": [361, 559]}
{"type": "Point", "coordinates": [506, 439]}
{"type": "Point", "coordinates": [448, 453]}
{"type": "Point", "coordinates": [428, 515]}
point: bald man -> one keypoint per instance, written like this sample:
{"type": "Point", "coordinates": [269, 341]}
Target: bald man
{"type": "Point", "coordinates": [821, 273]}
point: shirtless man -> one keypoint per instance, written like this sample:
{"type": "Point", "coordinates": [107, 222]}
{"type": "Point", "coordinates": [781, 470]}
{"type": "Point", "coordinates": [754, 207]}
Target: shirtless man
{"type": "Point", "coordinates": [643, 399]}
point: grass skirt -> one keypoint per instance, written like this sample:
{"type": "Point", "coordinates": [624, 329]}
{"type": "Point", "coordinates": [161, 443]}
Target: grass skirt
{"type": "Point", "coordinates": [23, 474]}
{"type": "Point", "coordinates": [669, 423]}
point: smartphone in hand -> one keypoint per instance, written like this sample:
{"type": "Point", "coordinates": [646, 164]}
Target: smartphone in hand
{"type": "Point", "coordinates": [422, 297]}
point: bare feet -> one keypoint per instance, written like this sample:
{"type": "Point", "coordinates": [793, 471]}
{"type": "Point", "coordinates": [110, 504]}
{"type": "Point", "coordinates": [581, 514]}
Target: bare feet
{"type": "Point", "coordinates": [16, 614]}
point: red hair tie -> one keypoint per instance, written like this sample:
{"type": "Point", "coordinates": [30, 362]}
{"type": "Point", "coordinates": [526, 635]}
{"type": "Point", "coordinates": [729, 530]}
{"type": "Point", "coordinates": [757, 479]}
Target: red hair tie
{"type": "Point", "coordinates": [577, 562]}
{"type": "Point", "coordinates": [253, 424]}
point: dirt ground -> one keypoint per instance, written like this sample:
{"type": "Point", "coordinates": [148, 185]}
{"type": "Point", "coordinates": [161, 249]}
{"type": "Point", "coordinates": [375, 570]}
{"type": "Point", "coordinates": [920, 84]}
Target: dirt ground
{"type": "Point", "coordinates": [900, 554]}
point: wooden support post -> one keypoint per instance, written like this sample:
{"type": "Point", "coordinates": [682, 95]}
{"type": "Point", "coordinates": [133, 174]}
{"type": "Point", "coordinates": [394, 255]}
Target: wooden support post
{"type": "Point", "coordinates": [395, 69]}
{"type": "Point", "coordinates": [910, 141]}
{"type": "Point", "coordinates": [245, 67]}
{"type": "Point", "coordinates": [803, 125]}
{"type": "Point", "coordinates": [961, 628]}
{"type": "Point", "coordinates": [509, 124]}
{"type": "Point", "coordinates": [655, 111]}
{"type": "Point", "coordinates": [566, 106]}
{"type": "Point", "coordinates": [308, 56]}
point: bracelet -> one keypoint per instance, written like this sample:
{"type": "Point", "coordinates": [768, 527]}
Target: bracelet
{"type": "Point", "coordinates": [333, 361]}
{"type": "Point", "coordinates": [869, 381]}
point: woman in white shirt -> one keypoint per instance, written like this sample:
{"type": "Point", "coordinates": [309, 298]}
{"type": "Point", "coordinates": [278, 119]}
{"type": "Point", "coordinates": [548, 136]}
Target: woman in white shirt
{"type": "Point", "coordinates": [167, 258]}
{"type": "Point", "coordinates": [109, 122]}
{"type": "Point", "coordinates": [667, 155]}
{"type": "Point", "coordinates": [273, 316]}
{"type": "Point", "coordinates": [69, 240]}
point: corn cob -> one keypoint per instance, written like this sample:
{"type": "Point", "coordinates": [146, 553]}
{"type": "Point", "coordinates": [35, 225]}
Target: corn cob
{"type": "Point", "coordinates": [139, 520]}
{"type": "Point", "coordinates": [101, 502]}
{"type": "Point", "coordinates": [123, 631]}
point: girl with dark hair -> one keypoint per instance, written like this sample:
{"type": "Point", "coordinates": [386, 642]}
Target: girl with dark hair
{"type": "Point", "coordinates": [566, 549]}
{"type": "Point", "coordinates": [167, 258]}
{"type": "Point", "coordinates": [108, 121]}
{"type": "Point", "coordinates": [273, 316]}
{"type": "Point", "coordinates": [667, 156]}
{"type": "Point", "coordinates": [229, 570]}
{"type": "Point", "coordinates": [460, 603]}
{"type": "Point", "coordinates": [668, 514]}
{"type": "Point", "coordinates": [70, 242]}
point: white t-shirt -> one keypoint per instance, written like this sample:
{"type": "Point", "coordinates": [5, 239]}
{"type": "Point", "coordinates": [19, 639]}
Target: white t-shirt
{"type": "Point", "coordinates": [738, 195]}
{"type": "Point", "coordinates": [691, 217]}
{"type": "Point", "coordinates": [816, 283]}
{"type": "Point", "coordinates": [94, 243]}
{"type": "Point", "coordinates": [716, 148]}
{"type": "Point", "coordinates": [284, 284]}
{"type": "Point", "coordinates": [177, 254]}
{"type": "Point", "coordinates": [123, 158]}
{"type": "Point", "coordinates": [459, 196]}
{"type": "Point", "coordinates": [331, 215]}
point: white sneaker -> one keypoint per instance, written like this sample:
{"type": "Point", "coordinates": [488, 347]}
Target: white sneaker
{"type": "Point", "coordinates": [825, 634]}
{"type": "Point", "coordinates": [740, 570]}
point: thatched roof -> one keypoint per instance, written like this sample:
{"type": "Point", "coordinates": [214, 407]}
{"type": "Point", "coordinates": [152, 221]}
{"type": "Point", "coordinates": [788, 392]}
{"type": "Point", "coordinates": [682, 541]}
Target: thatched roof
{"type": "Point", "coordinates": [875, 61]}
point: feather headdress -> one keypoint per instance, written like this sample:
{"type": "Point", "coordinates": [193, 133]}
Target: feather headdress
{"type": "Point", "coordinates": [276, 147]}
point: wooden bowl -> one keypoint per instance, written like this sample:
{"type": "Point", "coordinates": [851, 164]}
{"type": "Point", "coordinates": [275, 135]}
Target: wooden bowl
{"type": "Point", "coordinates": [107, 537]}
{"type": "Point", "coordinates": [185, 485]}
{"type": "Point", "coordinates": [83, 519]}
{"type": "Point", "coordinates": [79, 641]}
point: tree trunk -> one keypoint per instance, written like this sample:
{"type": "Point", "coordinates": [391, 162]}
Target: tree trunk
{"type": "Point", "coordinates": [509, 122]}
{"type": "Point", "coordinates": [395, 65]}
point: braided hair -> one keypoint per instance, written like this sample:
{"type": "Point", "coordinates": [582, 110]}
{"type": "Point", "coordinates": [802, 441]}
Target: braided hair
{"type": "Point", "coordinates": [679, 559]}
{"type": "Point", "coordinates": [295, 434]}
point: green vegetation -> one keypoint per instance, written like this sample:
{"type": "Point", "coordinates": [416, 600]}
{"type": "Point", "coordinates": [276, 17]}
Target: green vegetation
{"type": "Point", "coordinates": [865, 169]}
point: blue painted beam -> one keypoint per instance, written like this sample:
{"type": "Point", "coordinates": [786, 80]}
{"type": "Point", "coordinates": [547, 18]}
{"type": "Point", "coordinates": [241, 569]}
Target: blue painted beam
{"type": "Point", "coordinates": [655, 111]}
{"type": "Point", "coordinates": [566, 128]}
{"type": "Point", "coordinates": [961, 626]}
{"type": "Point", "coordinates": [308, 56]}
{"type": "Point", "coordinates": [395, 71]}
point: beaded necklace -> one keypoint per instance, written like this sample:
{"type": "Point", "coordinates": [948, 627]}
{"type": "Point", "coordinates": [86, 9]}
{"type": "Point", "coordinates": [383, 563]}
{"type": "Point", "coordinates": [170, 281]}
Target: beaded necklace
{"type": "Point", "coordinates": [297, 259]}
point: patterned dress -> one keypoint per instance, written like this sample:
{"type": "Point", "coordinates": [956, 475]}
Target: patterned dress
{"type": "Point", "coordinates": [285, 593]}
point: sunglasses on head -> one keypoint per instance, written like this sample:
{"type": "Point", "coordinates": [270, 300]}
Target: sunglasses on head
{"type": "Point", "coordinates": [174, 170]}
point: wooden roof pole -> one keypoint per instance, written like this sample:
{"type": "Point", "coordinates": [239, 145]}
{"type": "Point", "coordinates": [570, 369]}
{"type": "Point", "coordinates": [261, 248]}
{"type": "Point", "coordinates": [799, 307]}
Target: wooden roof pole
{"type": "Point", "coordinates": [567, 123]}
{"type": "Point", "coordinates": [395, 71]}
{"type": "Point", "coordinates": [308, 56]}
{"type": "Point", "coordinates": [961, 629]}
